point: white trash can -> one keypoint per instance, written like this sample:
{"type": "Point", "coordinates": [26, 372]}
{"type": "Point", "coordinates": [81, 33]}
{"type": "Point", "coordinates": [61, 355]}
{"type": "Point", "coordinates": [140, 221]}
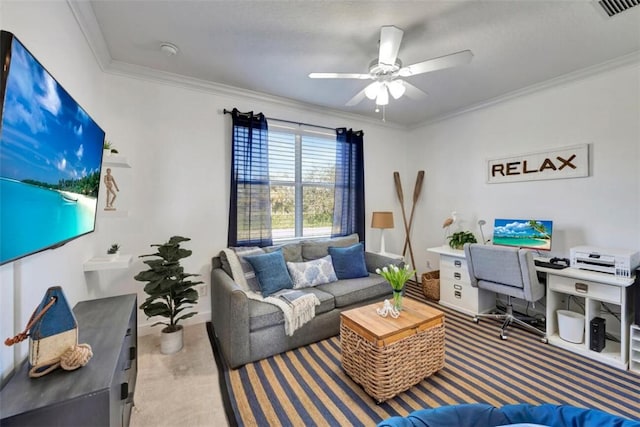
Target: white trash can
{"type": "Point", "coordinates": [571, 326]}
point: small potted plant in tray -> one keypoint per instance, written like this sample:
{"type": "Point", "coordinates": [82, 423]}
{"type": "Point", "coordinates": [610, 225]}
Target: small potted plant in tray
{"type": "Point", "coordinates": [170, 293]}
{"type": "Point", "coordinates": [113, 251]}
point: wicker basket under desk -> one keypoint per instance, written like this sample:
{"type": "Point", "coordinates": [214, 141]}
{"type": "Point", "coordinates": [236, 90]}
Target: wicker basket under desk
{"type": "Point", "coordinates": [431, 285]}
{"type": "Point", "coordinates": [385, 370]}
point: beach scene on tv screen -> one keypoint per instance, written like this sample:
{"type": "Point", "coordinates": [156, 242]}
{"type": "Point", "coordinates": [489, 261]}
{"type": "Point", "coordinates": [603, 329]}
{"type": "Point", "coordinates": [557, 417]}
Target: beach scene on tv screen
{"type": "Point", "coordinates": [50, 158]}
{"type": "Point", "coordinates": [529, 233]}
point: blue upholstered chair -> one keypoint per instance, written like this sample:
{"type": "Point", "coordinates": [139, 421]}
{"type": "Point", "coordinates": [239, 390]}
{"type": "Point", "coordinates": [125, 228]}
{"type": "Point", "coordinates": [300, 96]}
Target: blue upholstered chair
{"type": "Point", "coordinates": [522, 414]}
{"type": "Point", "coordinates": [507, 271]}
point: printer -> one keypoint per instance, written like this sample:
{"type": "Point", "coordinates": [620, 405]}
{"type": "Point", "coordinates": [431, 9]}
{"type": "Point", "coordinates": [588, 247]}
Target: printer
{"type": "Point", "coordinates": [619, 262]}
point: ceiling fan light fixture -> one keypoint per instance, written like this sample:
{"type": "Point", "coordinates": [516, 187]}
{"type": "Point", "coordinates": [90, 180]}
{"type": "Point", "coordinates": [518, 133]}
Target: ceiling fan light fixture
{"type": "Point", "coordinates": [383, 96]}
{"type": "Point", "coordinates": [396, 88]}
{"type": "Point", "coordinates": [372, 90]}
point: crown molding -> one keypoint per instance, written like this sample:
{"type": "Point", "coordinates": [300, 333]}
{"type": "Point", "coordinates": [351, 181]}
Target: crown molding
{"type": "Point", "coordinates": [86, 19]}
{"type": "Point", "coordinates": [126, 69]}
{"type": "Point", "coordinates": [85, 16]}
{"type": "Point", "coordinates": [632, 59]}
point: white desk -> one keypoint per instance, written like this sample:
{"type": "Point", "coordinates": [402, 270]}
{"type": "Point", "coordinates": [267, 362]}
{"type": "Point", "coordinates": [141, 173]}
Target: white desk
{"type": "Point", "coordinates": [457, 293]}
{"type": "Point", "coordinates": [593, 290]}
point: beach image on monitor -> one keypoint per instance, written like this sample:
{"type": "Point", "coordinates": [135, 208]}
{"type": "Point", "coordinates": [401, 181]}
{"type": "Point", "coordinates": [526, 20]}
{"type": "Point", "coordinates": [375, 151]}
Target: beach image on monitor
{"type": "Point", "coordinates": [530, 233]}
{"type": "Point", "coordinates": [50, 161]}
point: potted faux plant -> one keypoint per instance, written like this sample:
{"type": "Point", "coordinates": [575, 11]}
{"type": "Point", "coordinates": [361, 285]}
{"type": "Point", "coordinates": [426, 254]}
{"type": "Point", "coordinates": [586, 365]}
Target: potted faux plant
{"type": "Point", "coordinates": [457, 240]}
{"type": "Point", "coordinates": [170, 293]}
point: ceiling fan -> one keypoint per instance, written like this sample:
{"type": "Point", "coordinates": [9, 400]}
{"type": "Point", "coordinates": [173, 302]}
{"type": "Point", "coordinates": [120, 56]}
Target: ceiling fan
{"type": "Point", "coordinates": [387, 70]}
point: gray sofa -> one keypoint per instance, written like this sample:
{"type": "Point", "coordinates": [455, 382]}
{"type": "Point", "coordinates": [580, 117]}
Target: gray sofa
{"type": "Point", "coordinates": [248, 330]}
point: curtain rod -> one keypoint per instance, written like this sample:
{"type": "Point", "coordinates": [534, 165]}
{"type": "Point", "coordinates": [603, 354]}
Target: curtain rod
{"type": "Point", "coordinates": [225, 111]}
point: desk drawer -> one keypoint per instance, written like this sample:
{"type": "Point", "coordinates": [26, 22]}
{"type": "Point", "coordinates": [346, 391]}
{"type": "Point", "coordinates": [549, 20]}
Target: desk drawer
{"type": "Point", "coordinates": [454, 269]}
{"type": "Point", "coordinates": [585, 288]}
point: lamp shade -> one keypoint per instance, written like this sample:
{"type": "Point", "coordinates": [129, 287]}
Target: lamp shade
{"type": "Point", "coordinates": [382, 220]}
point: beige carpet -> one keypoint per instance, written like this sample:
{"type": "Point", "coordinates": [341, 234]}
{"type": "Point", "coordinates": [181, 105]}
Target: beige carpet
{"type": "Point", "coordinates": [179, 389]}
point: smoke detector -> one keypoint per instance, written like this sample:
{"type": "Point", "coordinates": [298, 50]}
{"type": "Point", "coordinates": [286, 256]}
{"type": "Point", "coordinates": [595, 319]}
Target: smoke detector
{"type": "Point", "coordinates": [169, 49]}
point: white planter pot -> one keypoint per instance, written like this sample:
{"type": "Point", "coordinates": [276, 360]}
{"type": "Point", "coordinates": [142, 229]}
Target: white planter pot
{"type": "Point", "coordinates": [171, 342]}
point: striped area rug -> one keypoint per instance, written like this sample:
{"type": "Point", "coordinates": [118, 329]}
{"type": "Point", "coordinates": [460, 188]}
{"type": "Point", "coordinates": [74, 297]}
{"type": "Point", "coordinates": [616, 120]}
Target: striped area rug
{"type": "Point", "coordinates": [307, 386]}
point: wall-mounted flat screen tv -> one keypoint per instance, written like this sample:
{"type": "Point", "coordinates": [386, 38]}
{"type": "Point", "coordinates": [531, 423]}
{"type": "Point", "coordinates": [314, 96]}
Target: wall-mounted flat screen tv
{"type": "Point", "coordinates": [50, 158]}
{"type": "Point", "coordinates": [523, 233]}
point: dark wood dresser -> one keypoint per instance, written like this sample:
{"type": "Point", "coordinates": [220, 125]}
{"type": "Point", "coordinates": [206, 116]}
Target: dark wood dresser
{"type": "Point", "coordinates": [98, 394]}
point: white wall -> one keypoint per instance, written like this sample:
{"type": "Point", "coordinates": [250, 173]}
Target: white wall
{"type": "Point", "coordinates": [52, 35]}
{"type": "Point", "coordinates": [600, 210]}
{"type": "Point", "coordinates": [178, 143]}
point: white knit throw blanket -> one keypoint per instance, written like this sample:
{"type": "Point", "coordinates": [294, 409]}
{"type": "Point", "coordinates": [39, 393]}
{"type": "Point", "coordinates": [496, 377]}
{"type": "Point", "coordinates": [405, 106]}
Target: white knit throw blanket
{"type": "Point", "coordinates": [297, 307]}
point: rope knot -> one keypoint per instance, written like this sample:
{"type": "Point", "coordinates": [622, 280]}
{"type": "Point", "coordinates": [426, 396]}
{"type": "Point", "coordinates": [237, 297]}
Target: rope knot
{"type": "Point", "coordinates": [76, 357]}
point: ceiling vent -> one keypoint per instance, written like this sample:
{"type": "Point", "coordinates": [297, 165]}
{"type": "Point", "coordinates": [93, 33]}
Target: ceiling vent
{"type": "Point", "coordinates": [615, 7]}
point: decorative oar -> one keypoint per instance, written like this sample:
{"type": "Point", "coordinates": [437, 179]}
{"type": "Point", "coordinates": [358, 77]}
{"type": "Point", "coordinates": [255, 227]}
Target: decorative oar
{"type": "Point", "coordinates": [396, 179]}
{"type": "Point", "coordinates": [416, 195]}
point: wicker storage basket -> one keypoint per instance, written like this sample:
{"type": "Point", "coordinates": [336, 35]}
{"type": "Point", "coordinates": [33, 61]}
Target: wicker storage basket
{"type": "Point", "coordinates": [385, 371]}
{"type": "Point", "coordinates": [431, 285]}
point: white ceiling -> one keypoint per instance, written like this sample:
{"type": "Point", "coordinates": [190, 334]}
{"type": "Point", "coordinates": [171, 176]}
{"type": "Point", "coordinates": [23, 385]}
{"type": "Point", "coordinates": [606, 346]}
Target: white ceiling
{"type": "Point", "coordinates": [270, 47]}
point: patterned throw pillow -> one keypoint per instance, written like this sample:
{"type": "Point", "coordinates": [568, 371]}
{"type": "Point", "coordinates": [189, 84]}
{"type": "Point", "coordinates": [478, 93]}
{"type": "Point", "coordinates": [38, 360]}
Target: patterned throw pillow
{"type": "Point", "coordinates": [312, 273]}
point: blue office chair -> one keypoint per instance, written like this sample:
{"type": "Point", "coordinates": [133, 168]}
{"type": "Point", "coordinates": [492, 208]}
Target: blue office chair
{"type": "Point", "coordinates": [507, 271]}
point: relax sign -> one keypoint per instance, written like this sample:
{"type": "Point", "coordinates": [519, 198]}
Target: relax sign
{"type": "Point", "coordinates": [569, 162]}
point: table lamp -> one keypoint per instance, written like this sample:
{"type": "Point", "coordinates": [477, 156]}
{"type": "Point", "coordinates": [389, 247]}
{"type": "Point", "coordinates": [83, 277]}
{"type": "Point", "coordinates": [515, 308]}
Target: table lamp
{"type": "Point", "coordinates": [382, 220]}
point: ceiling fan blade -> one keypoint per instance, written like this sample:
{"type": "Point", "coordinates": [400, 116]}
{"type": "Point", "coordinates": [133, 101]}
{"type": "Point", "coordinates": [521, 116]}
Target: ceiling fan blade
{"type": "Point", "coordinates": [447, 61]}
{"type": "Point", "coordinates": [390, 39]}
{"type": "Point", "coordinates": [339, 76]}
{"type": "Point", "coordinates": [357, 99]}
{"type": "Point", "coordinates": [413, 92]}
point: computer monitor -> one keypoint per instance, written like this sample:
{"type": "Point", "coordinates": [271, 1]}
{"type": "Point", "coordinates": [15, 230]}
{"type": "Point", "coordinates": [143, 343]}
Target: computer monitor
{"type": "Point", "coordinates": [523, 233]}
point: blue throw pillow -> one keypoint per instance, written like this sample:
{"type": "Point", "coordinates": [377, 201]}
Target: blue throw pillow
{"type": "Point", "coordinates": [349, 262]}
{"type": "Point", "coordinates": [271, 271]}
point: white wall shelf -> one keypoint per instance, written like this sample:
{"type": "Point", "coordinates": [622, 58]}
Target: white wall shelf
{"type": "Point", "coordinates": [115, 161]}
{"type": "Point", "coordinates": [108, 263]}
{"type": "Point", "coordinates": [113, 214]}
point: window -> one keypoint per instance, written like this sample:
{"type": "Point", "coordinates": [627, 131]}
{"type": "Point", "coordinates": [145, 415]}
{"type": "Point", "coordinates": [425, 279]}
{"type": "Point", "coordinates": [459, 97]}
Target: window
{"type": "Point", "coordinates": [302, 166]}
{"type": "Point", "coordinates": [292, 182]}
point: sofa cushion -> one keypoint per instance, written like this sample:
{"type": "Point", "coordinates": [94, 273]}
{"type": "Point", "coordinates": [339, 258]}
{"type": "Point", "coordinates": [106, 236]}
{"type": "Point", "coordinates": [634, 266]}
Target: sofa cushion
{"type": "Point", "coordinates": [292, 251]}
{"type": "Point", "coordinates": [348, 262]}
{"type": "Point", "coordinates": [312, 273]}
{"type": "Point", "coordinates": [318, 248]}
{"type": "Point", "coordinates": [271, 271]}
{"type": "Point", "coordinates": [353, 291]}
{"type": "Point", "coordinates": [264, 315]}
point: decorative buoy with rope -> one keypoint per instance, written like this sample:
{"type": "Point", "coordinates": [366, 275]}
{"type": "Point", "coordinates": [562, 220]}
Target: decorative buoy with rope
{"type": "Point", "coordinates": [70, 359]}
